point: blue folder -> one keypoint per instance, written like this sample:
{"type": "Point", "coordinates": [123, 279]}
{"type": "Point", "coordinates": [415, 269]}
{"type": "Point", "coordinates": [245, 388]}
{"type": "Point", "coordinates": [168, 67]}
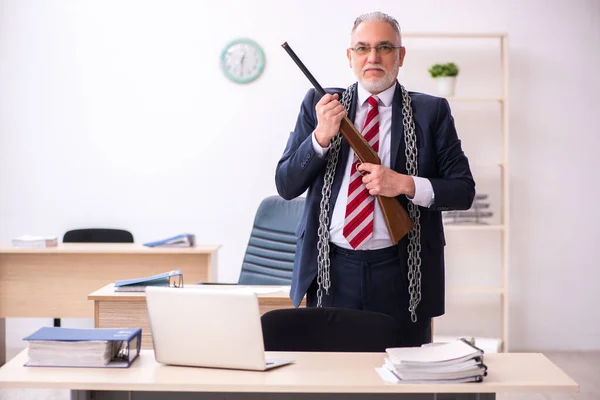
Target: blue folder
{"type": "Point", "coordinates": [183, 240]}
{"type": "Point", "coordinates": [62, 347]}
{"type": "Point", "coordinates": [168, 279]}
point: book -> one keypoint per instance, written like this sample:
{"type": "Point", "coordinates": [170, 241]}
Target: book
{"type": "Point", "coordinates": [183, 240]}
{"type": "Point", "coordinates": [454, 361]}
{"type": "Point", "coordinates": [168, 279]}
{"type": "Point", "coordinates": [34, 242]}
{"type": "Point", "coordinates": [91, 348]}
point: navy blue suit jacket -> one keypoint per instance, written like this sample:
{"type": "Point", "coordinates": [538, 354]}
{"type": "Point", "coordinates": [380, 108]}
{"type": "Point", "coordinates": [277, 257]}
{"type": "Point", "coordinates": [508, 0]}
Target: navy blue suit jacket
{"type": "Point", "coordinates": [440, 159]}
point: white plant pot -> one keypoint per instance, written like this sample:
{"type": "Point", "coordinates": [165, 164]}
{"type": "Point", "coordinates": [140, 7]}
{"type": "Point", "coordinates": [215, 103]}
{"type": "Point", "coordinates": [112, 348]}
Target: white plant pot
{"type": "Point", "coordinates": [446, 85]}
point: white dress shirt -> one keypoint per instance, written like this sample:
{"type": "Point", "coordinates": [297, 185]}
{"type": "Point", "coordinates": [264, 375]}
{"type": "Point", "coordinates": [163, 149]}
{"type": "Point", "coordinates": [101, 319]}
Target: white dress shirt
{"type": "Point", "coordinates": [423, 189]}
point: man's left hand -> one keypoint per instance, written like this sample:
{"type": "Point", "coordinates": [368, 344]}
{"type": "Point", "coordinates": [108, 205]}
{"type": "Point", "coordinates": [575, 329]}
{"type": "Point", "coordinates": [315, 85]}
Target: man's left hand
{"type": "Point", "coordinates": [381, 180]}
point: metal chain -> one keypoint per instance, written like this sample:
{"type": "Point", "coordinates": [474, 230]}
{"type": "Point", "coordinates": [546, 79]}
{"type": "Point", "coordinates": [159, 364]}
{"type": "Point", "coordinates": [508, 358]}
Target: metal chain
{"type": "Point", "coordinates": [323, 275]}
{"type": "Point", "coordinates": [414, 236]}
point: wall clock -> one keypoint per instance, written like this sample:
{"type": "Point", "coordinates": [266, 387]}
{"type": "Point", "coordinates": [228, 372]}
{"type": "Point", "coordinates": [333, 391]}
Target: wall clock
{"type": "Point", "coordinates": [242, 60]}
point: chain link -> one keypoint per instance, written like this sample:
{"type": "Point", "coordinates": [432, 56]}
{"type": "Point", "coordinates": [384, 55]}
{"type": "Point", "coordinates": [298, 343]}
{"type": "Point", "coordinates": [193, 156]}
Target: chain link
{"type": "Point", "coordinates": [323, 275]}
{"type": "Point", "coordinates": [414, 236]}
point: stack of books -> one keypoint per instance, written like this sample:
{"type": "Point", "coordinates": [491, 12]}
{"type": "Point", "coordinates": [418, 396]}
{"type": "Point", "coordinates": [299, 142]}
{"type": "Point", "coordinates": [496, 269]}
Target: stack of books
{"type": "Point", "coordinates": [452, 362]}
{"type": "Point", "coordinates": [68, 347]}
{"type": "Point", "coordinates": [34, 242]}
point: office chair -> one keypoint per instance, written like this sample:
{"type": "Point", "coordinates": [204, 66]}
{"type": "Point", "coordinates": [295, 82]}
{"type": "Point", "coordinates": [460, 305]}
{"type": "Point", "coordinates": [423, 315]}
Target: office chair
{"type": "Point", "coordinates": [269, 257]}
{"type": "Point", "coordinates": [98, 235]}
{"type": "Point", "coordinates": [329, 329]}
{"type": "Point", "coordinates": [95, 235]}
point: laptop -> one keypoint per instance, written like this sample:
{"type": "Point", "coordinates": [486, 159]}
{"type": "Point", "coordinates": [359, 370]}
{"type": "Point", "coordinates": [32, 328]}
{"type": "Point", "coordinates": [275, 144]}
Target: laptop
{"type": "Point", "coordinates": [207, 327]}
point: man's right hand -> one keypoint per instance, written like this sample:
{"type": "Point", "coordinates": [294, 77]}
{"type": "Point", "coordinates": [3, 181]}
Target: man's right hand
{"type": "Point", "coordinates": [330, 113]}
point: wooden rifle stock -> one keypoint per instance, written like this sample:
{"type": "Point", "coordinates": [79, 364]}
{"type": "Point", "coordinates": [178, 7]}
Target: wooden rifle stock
{"type": "Point", "coordinates": [396, 218]}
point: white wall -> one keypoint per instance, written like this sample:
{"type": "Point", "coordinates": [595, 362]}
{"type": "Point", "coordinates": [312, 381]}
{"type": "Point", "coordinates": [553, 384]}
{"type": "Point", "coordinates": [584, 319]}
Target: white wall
{"type": "Point", "coordinates": [115, 114]}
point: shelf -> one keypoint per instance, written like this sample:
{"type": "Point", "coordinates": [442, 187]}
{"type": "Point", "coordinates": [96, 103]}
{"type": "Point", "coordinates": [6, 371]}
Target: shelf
{"type": "Point", "coordinates": [500, 164]}
{"type": "Point", "coordinates": [476, 289]}
{"type": "Point", "coordinates": [453, 35]}
{"type": "Point", "coordinates": [476, 99]}
{"type": "Point", "coordinates": [480, 165]}
{"type": "Point", "coordinates": [472, 227]}
{"type": "Point", "coordinates": [495, 168]}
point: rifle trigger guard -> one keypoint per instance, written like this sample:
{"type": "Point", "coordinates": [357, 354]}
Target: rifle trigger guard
{"type": "Point", "coordinates": [362, 173]}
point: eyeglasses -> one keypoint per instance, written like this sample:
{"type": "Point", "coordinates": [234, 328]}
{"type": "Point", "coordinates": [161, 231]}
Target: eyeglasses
{"type": "Point", "coordinates": [381, 49]}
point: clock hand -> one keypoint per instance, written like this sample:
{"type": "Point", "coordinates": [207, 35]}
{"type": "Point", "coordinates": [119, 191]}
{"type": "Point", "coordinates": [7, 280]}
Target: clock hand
{"type": "Point", "coordinates": [242, 64]}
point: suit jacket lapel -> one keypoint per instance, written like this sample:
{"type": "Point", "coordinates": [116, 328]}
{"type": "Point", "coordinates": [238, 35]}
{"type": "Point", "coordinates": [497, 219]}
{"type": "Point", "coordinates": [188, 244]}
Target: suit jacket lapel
{"type": "Point", "coordinates": [344, 154]}
{"type": "Point", "coordinates": [397, 149]}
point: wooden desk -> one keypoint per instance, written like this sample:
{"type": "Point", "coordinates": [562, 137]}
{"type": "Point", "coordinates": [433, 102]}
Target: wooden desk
{"type": "Point", "coordinates": [55, 282]}
{"type": "Point", "coordinates": [128, 309]}
{"type": "Point", "coordinates": [313, 374]}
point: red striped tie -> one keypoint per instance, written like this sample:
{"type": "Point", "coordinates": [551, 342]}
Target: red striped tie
{"type": "Point", "coordinates": [358, 223]}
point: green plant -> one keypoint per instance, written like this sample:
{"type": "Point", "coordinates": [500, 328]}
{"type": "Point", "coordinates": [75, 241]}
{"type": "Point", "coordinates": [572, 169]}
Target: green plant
{"type": "Point", "coordinates": [448, 69]}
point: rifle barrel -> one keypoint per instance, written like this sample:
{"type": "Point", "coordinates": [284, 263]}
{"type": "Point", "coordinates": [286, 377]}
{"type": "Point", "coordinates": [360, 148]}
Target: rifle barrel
{"type": "Point", "coordinates": [311, 78]}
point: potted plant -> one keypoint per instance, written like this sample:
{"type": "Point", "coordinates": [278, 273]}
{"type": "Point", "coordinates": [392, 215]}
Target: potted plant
{"type": "Point", "coordinates": [445, 75]}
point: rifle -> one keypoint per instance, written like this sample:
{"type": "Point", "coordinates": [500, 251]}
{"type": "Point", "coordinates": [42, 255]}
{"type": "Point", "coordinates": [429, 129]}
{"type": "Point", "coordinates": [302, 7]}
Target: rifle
{"type": "Point", "coordinates": [396, 218]}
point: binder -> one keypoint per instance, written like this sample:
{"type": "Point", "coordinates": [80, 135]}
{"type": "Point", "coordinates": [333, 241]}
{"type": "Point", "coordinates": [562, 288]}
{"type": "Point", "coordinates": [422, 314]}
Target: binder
{"type": "Point", "coordinates": [183, 240]}
{"type": "Point", "coordinates": [167, 279]}
{"type": "Point", "coordinates": [88, 348]}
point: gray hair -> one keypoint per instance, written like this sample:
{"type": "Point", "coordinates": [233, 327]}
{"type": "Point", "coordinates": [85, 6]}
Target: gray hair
{"type": "Point", "coordinates": [379, 17]}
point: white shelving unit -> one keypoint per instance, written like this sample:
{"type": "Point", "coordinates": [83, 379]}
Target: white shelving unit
{"type": "Point", "coordinates": [500, 228]}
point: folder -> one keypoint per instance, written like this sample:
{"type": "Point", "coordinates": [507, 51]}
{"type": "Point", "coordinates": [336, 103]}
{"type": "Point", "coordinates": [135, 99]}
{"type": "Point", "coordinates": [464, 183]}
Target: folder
{"type": "Point", "coordinates": [453, 362]}
{"type": "Point", "coordinates": [167, 279]}
{"type": "Point", "coordinates": [183, 240]}
{"type": "Point", "coordinates": [437, 354]}
{"type": "Point", "coordinates": [90, 348]}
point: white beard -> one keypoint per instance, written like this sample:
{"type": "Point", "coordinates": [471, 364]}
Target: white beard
{"type": "Point", "coordinates": [379, 84]}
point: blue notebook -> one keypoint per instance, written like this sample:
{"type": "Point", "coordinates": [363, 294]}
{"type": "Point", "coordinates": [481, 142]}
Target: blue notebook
{"type": "Point", "coordinates": [168, 279]}
{"type": "Point", "coordinates": [73, 347]}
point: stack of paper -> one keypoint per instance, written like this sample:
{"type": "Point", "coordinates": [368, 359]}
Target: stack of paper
{"type": "Point", "coordinates": [46, 353]}
{"type": "Point", "coordinates": [452, 362]}
{"type": "Point", "coordinates": [35, 242]}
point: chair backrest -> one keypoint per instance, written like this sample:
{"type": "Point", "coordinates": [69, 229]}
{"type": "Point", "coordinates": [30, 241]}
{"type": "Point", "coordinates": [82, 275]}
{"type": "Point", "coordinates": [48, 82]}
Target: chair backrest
{"type": "Point", "coordinates": [269, 257]}
{"type": "Point", "coordinates": [98, 235]}
{"type": "Point", "coordinates": [329, 329]}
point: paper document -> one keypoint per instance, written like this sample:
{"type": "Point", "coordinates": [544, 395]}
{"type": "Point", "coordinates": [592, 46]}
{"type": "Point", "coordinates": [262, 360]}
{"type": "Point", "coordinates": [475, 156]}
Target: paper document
{"type": "Point", "coordinates": [266, 290]}
{"type": "Point", "coordinates": [34, 242]}
{"type": "Point", "coordinates": [453, 362]}
{"type": "Point", "coordinates": [387, 375]}
{"type": "Point", "coordinates": [447, 353]}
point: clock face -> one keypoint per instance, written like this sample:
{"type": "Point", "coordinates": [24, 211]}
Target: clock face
{"type": "Point", "coordinates": [242, 61]}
